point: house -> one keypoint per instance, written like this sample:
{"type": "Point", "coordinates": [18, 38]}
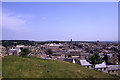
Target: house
{"type": "Point", "coordinates": [61, 59]}
{"type": "Point", "coordinates": [54, 46]}
{"type": "Point", "coordinates": [85, 63]}
{"type": "Point", "coordinates": [101, 67]}
{"type": "Point", "coordinates": [70, 60]}
{"type": "Point", "coordinates": [42, 56]}
{"type": "Point", "coordinates": [84, 55]}
{"type": "Point", "coordinates": [74, 53]}
{"type": "Point", "coordinates": [113, 59]}
{"type": "Point", "coordinates": [57, 55]}
{"type": "Point", "coordinates": [113, 69]}
{"type": "Point", "coordinates": [101, 55]}
{"type": "Point", "coordinates": [12, 51]}
{"type": "Point", "coordinates": [19, 46]}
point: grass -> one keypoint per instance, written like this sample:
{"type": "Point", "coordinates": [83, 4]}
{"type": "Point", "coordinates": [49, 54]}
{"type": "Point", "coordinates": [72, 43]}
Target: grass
{"type": "Point", "coordinates": [0, 67]}
{"type": "Point", "coordinates": [30, 67]}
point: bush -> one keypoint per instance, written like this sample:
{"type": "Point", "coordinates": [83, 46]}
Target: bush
{"type": "Point", "coordinates": [24, 52]}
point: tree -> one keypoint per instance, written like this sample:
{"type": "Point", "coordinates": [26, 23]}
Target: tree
{"type": "Point", "coordinates": [69, 56]}
{"type": "Point", "coordinates": [49, 51]}
{"type": "Point", "coordinates": [95, 59]}
{"type": "Point", "coordinates": [24, 52]}
{"type": "Point", "coordinates": [21, 48]}
{"type": "Point", "coordinates": [119, 58]}
{"type": "Point", "coordinates": [106, 58]}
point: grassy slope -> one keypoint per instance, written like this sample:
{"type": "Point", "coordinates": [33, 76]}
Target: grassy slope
{"type": "Point", "coordinates": [0, 68]}
{"type": "Point", "coordinates": [18, 67]}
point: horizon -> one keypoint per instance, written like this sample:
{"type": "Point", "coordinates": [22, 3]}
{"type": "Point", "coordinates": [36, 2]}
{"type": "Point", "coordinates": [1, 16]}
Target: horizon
{"type": "Point", "coordinates": [41, 21]}
{"type": "Point", "coordinates": [61, 40]}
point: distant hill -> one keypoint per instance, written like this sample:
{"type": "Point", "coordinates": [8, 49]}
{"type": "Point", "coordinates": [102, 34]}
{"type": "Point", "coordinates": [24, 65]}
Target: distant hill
{"type": "Point", "coordinates": [29, 67]}
{"type": "Point", "coordinates": [7, 43]}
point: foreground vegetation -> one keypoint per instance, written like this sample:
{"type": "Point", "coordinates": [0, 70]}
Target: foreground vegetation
{"type": "Point", "coordinates": [30, 67]}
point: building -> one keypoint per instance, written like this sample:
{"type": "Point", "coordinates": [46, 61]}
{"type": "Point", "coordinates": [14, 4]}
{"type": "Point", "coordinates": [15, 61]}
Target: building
{"type": "Point", "coordinates": [113, 69]}
{"type": "Point", "coordinates": [84, 63]}
{"type": "Point", "coordinates": [71, 44]}
{"type": "Point", "coordinates": [19, 46]}
{"type": "Point", "coordinates": [70, 60]}
{"type": "Point", "coordinates": [84, 55]}
{"type": "Point", "coordinates": [101, 67]}
{"type": "Point", "coordinates": [113, 59]}
{"type": "Point", "coordinates": [12, 51]}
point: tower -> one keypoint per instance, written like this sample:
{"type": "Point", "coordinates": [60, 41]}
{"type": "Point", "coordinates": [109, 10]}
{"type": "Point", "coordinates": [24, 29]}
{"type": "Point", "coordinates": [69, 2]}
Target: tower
{"type": "Point", "coordinates": [71, 44]}
{"type": "Point", "coordinates": [71, 40]}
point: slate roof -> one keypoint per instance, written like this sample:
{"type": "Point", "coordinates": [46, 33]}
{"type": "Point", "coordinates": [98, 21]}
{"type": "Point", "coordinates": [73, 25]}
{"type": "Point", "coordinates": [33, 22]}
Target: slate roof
{"type": "Point", "coordinates": [110, 55]}
{"type": "Point", "coordinates": [84, 54]}
{"type": "Point", "coordinates": [113, 67]}
{"type": "Point", "coordinates": [83, 62]}
{"type": "Point", "coordinates": [12, 49]}
{"type": "Point", "coordinates": [102, 65]}
{"type": "Point", "coordinates": [69, 59]}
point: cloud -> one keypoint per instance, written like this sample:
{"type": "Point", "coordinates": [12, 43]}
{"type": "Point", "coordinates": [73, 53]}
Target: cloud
{"type": "Point", "coordinates": [13, 22]}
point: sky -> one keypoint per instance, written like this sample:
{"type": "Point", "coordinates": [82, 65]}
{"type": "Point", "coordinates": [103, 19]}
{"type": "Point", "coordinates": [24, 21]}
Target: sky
{"type": "Point", "coordinates": [62, 21]}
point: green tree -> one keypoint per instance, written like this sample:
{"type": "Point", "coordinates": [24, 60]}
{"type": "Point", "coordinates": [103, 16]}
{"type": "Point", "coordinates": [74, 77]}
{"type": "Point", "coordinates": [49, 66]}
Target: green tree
{"type": "Point", "coordinates": [49, 51]}
{"type": "Point", "coordinates": [24, 52]}
{"type": "Point", "coordinates": [106, 58]}
{"type": "Point", "coordinates": [21, 48]}
{"type": "Point", "coordinates": [95, 59]}
{"type": "Point", "coordinates": [69, 56]}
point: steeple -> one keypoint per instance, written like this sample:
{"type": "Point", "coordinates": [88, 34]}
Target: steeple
{"type": "Point", "coordinates": [71, 40]}
{"type": "Point", "coordinates": [71, 44]}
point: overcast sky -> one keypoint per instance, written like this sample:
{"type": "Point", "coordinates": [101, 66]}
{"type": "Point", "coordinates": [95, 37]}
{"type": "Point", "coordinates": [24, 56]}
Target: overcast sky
{"type": "Point", "coordinates": [41, 21]}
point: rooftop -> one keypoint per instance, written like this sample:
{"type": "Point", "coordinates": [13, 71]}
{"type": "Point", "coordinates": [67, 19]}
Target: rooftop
{"type": "Point", "coordinates": [85, 63]}
{"type": "Point", "coordinates": [102, 65]}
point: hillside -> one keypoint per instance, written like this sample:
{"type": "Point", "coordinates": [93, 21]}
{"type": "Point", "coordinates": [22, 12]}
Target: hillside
{"type": "Point", "coordinates": [29, 67]}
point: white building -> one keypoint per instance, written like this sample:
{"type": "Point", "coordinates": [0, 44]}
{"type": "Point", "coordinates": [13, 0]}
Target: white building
{"type": "Point", "coordinates": [19, 46]}
{"type": "Point", "coordinates": [113, 69]}
{"type": "Point", "coordinates": [101, 67]}
{"type": "Point", "coordinates": [85, 63]}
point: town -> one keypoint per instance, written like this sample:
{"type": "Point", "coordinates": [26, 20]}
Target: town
{"type": "Point", "coordinates": [76, 52]}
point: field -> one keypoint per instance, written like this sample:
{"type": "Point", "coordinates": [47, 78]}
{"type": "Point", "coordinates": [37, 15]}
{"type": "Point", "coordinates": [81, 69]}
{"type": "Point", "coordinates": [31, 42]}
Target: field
{"type": "Point", "coordinates": [30, 67]}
